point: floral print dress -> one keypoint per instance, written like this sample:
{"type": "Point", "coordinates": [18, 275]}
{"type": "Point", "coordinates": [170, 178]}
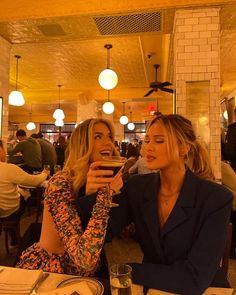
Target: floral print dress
{"type": "Point", "coordinates": [82, 248]}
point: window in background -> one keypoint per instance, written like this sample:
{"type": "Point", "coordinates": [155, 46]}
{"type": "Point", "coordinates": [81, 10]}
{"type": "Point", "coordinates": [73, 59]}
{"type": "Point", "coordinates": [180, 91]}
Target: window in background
{"type": "Point", "coordinates": [52, 132]}
{"type": "Point", "coordinates": [138, 132]}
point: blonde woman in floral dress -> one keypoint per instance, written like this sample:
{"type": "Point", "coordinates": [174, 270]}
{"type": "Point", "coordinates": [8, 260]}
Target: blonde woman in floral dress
{"type": "Point", "coordinates": [64, 246]}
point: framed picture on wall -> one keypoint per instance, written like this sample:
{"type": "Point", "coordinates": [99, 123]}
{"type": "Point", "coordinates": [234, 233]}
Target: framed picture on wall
{"type": "Point", "coordinates": [1, 111]}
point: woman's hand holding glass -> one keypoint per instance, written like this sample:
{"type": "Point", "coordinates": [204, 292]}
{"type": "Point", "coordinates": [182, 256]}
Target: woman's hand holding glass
{"type": "Point", "coordinates": [98, 178]}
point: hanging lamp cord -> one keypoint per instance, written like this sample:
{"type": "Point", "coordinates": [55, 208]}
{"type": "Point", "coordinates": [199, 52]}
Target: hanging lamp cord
{"type": "Point", "coordinates": [59, 96]}
{"type": "Point", "coordinates": [123, 108]}
{"type": "Point", "coordinates": [17, 59]}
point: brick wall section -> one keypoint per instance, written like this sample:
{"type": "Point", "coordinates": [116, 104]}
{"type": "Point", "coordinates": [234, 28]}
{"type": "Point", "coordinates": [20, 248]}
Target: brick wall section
{"type": "Point", "coordinates": [5, 48]}
{"type": "Point", "coordinates": [197, 58]}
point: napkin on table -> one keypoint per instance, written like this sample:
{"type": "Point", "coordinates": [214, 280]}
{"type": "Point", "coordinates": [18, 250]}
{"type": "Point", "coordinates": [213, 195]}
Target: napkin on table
{"type": "Point", "coordinates": [18, 281]}
{"type": "Point", "coordinates": [82, 288]}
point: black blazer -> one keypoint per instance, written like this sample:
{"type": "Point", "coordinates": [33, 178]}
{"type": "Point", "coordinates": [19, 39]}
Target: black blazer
{"type": "Point", "coordinates": [184, 256]}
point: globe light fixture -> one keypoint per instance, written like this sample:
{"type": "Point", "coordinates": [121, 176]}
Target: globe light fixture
{"type": "Point", "coordinates": [108, 107]}
{"type": "Point", "coordinates": [31, 125]}
{"type": "Point", "coordinates": [59, 122]}
{"type": "Point", "coordinates": [108, 78]}
{"type": "Point", "coordinates": [58, 113]}
{"type": "Point", "coordinates": [131, 125]}
{"type": "Point", "coordinates": [124, 119]}
{"type": "Point", "coordinates": [16, 98]}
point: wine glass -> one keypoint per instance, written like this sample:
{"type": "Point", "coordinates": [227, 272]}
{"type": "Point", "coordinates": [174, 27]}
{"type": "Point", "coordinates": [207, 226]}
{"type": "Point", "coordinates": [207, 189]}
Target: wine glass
{"type": "Point", "coordinates": [113, 163]}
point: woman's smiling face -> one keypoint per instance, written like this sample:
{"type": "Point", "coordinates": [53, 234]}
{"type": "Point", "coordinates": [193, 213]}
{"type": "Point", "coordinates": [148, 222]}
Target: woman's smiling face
{"type": "Point", "coordinates": [102, 142]}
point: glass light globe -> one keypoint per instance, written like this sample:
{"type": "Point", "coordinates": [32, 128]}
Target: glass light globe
{"type": "Point", "coordinates": [108, 79]}
{"type": "Point", "coordinates": [124, 120]}
{"type": "Point", "coordinates": [16, 98]}
{"type": "Point", "coordinates": [131, 126]}
{"type": "Point", "coordinates": [30, 126]}
{"type": "Point", "coordinates": [58, 114]}
{"type": "Point", "coordinates": [225, 115]}
{"type": "Point", "coordinates": [59, 123]}
{"type": "Point", "coordinates": [108, 107]}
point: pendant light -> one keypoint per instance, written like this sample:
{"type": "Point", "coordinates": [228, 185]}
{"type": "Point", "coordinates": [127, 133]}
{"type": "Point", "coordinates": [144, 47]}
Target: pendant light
{"type": "Point", "coordinates": [59, 122]}
{"type": "Point", "coordinates": [16, 98]}
{"type": "Point", "coordinates": [124, 119]}
{"type": "Point", "coordinates": [31, 125]}
{"type": "Point", "coordinates": [131, 125]}
{"type": "Point", "coordinates": [108, 78]}
{"type": "Point", "coordinates": [108, 107]}
{"type": "Point", "coordinates": [58, 113]}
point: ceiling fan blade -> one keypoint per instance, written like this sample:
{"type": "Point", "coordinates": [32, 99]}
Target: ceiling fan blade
{"type": "Point", "coordinates": [164, 84]}
{"type": "Point", "coordinates": [167, 90]}
{"type": "Point", "coordinates": [149, 92]}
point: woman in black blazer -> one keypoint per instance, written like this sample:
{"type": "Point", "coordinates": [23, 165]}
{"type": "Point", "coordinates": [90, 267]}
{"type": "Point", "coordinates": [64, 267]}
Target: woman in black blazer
{"type": "Point", "coordinates": [180, 214]}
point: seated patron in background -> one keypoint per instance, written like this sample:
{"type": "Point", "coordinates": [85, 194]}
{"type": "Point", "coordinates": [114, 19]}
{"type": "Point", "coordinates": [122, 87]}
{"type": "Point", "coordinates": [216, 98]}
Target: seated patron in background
{"type": "Point", "coordinates": [230, 144]}
{"type": "Point", "coordinates": [49, 156]}
{"type": "Point", "coordinates": [30, 150]}
{"type": "Point", "coordinates": [132, 157]}
{"type": "Point", "coordinates": [65, 245]}
{"type": "Point", "coordinates": [60, 148]}
{"type": "Point", "coordinates": [181, 215]}
{"type": "Point", "coordinates": [11, 202]}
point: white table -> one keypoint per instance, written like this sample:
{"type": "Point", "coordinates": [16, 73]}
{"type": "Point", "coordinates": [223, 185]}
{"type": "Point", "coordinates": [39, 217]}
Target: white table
{"type": "Point", "coordinates": [52, 281]}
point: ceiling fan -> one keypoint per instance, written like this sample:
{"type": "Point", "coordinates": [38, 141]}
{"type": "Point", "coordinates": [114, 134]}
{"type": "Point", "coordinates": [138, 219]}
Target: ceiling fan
{"type": "Point", "coordinates": [158, 85]}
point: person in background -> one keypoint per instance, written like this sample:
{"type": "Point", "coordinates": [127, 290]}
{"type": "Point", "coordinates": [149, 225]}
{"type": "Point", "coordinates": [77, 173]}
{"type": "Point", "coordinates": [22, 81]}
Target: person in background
{"type": "Point", "coordinates": [30, 150]}
{"type": "Point", "coordinates": [12, 204]}
{"type": "Point", "coordinates": [66, 246]}
{"type": "Point", "coordinates": [49, 156]}
{"type": "Point", "coordinates": [60, 150]}
{"type": "Point", "coordinates": [180, 214]}
{"type": "Point", "coordinates": [123, 149]}
{"type": "Point", "coordinates": [132, 157]}
{"type": "Point", "coordinates": [117, 146]}
{"type": "Point", "coordinates": [230, 144]}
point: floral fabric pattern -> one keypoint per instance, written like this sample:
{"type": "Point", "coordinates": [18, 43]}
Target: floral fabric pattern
{"type": "Point", "coordinates": [82, 248]}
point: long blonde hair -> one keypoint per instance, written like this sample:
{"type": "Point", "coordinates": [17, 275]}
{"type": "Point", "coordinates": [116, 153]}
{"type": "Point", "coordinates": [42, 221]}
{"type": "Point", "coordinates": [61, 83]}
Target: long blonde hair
{"type": "Point", "coordinates": [180, 131]}
{"type": "Point", "coordinates": [79, 149]}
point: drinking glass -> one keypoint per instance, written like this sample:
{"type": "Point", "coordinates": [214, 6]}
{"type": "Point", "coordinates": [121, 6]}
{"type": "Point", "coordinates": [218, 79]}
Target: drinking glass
{"type": "Point", "coordinates": [56, 168]}
{"type": "Point", "coordinates": [113, 163]}
{"type": "Point", "coordinates": [120, 279]}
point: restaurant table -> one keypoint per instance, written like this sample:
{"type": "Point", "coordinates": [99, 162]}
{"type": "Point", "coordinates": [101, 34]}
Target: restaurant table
{"type": "Point", "coordinates": [53, 280]}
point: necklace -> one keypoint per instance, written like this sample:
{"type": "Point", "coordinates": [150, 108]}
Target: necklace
{"type": "Point", "coordinates": [167, 198]}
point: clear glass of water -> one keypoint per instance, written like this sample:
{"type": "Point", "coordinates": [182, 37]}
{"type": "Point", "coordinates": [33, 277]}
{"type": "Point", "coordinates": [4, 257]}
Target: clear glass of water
{"type": "Point", "coordinates": [121, 279]}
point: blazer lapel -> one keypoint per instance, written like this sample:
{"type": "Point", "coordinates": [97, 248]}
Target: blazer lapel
{"type": "Point", "coordinates": [183, 207]}
{"type": "Point", "coordinates": [149, 210]}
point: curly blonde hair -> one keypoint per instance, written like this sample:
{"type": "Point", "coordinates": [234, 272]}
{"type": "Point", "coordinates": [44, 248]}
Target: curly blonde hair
{"type": "Point", "coordinates": [180, 132]}
{"type": "Point", "coordinates": [79, 149]}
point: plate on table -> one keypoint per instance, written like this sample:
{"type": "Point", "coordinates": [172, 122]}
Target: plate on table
{"type": "Point", "coordinates": [81, 284]}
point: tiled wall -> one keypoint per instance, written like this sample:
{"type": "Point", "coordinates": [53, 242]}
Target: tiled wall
{"type": "Point", "coordinates": [5, 48]}
{"type": "Point", "coordinates": [197, 58]}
